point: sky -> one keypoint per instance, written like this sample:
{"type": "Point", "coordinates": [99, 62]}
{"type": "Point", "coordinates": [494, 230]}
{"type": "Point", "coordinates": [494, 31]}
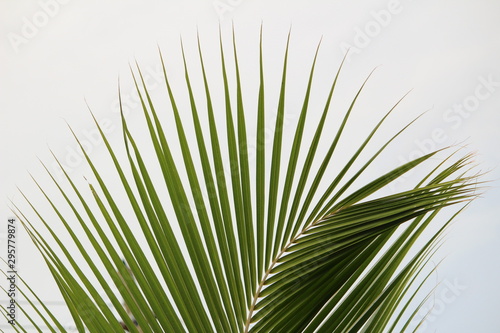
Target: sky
{"type": "Point", "coordinates": [57, 56]}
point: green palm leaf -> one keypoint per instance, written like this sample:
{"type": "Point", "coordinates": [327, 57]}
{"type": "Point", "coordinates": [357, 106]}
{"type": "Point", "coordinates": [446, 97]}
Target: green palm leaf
{"type": "Point", "coordinates": [274, 244]}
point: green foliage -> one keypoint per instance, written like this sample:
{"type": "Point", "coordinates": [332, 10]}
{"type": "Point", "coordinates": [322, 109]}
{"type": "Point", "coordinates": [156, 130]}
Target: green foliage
{"type": "Point", "coordinates": [271, 244]}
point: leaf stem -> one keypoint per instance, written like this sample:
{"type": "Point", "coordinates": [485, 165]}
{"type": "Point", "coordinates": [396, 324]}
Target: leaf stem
{"type": "Point", "coordinates": [273, 263]}
{"type": "Point", "coordinates": [264, 278]}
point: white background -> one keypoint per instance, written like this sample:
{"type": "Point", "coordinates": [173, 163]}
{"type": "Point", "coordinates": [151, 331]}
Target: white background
{"type": "Point", "coordinates": [55, 54]}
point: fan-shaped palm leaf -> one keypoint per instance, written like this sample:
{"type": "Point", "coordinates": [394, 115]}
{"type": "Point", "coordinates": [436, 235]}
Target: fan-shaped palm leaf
{"type": "Point", "coordinates": [271, 244]}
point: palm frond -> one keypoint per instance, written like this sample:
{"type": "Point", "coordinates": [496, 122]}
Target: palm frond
{"type": "Point", "coordinates": [274, 244]}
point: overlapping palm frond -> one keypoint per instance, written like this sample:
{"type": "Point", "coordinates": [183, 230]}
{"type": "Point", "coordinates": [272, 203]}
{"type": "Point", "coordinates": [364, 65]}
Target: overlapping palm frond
{"type": "Point", "coordinates": [271, 244]}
